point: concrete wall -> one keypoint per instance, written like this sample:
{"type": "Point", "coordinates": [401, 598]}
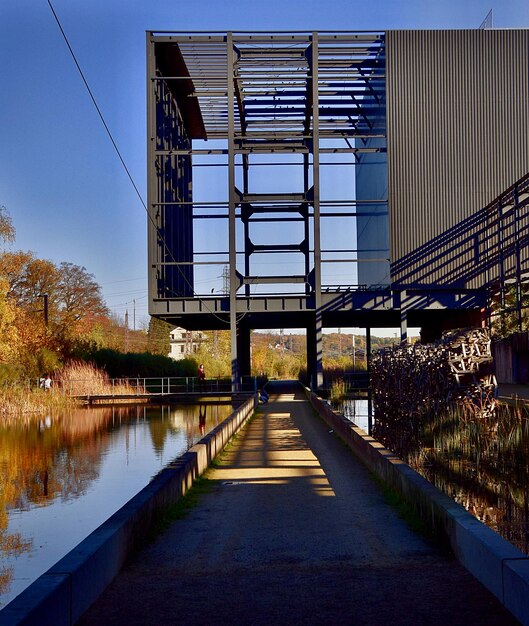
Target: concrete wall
{"type": "Point", "coordinates": [511, 359]}
{"type": "Point", "coordinates": [61, 595]}
{"type": "Point", "coordinates": [495, 562]}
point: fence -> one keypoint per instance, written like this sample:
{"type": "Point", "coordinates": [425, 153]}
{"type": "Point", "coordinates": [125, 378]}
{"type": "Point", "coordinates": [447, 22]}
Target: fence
{"type": "Point", "coordinates": [158, 385]}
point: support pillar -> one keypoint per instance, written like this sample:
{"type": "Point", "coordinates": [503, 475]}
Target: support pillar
{"type": "Point", "coordinates": [314, 354]}
{"type": "Point", "coordinates": [243, 350]}
{"type": "Point", "coordinates": [369, 391]}
{"type": "Point", "coordinates": [316, 333]}
{"type": "Point", "coordinates": [403, 326]}
{"type": "Point", "coordinates": [235, 369]}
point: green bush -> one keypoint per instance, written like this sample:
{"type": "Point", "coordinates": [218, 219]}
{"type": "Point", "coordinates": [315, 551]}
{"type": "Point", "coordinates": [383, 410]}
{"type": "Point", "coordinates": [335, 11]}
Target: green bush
{"type": "Point", "coordinates": [141, 365]}
{"type": "Point", "coordinates": [10, 373]}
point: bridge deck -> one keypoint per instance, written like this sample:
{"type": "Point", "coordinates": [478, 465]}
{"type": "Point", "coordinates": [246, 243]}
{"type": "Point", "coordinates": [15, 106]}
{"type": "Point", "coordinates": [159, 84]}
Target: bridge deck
{"type": "Point", "coordinates": [293, 531]}
{"type": "Point", "coordinates": [183, 396]}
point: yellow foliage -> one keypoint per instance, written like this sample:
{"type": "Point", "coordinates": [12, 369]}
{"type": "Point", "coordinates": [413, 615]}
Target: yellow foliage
{"type": "Point", "coordinates": [9, 338]}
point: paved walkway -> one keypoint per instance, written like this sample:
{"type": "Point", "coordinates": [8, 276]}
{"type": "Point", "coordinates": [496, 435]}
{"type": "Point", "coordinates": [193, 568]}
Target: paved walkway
{"type": "Point", "coordinates": [294, 531]}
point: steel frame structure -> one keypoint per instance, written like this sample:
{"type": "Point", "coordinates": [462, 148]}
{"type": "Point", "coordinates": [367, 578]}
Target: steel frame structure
{"type": "Point", "coordinates": [294, 106]}
{"type": "Point", "coordinates": [296, 99]}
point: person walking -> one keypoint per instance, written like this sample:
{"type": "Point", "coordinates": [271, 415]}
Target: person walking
{"type": "Point", "coordinates": [201, 377]}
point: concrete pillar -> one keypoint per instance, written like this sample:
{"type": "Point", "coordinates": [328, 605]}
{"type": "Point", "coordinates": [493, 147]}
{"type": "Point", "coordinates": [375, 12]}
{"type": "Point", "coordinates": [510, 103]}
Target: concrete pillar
{"type": "Point", "coordinates": [243, 350]}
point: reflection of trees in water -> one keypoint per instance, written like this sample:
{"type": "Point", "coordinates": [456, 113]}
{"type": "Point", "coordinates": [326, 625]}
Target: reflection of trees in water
{"type": "Point", "coordinates": [11, 544]}
{"type": "Point", "coordinates": [483, 465]}
{"type": "Point", "coordinates": [56, 457]}
{"type": "Point", "coordinates": [42, 459]}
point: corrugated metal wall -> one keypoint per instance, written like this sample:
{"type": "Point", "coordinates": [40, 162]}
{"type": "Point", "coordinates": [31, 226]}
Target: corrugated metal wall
{"type": "Point", "coordinates": [458, 129]}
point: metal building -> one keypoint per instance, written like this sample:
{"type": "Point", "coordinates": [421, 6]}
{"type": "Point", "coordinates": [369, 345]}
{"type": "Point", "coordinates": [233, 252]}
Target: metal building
{"type": "Point", "coordinates": [317, 180]}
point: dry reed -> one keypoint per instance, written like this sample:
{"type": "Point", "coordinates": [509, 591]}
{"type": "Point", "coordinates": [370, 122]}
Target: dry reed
{"type": "Point", "coordinates": [78, 378]}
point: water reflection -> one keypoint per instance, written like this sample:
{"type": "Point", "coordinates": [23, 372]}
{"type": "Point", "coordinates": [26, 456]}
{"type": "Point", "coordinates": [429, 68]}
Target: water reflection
{"type": "Point", "coordinates": [482, 463]}
{"type": "Point", "coordinates": [63, 475]}
{"type": "Point", "coordinates": [356, 411]}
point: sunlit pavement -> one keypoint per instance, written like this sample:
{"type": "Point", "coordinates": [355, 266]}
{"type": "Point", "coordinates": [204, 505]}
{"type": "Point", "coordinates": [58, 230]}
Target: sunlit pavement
{"type": "Point", "coordinates": [294, 531]}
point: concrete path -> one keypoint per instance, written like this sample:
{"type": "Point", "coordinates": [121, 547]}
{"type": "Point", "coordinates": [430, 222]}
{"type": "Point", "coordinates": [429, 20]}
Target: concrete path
{"type": "Point", "coordinates": [294, 531]}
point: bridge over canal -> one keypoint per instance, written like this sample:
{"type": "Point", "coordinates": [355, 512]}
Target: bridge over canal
{"type": "Point", "coordinates": [293, 530]}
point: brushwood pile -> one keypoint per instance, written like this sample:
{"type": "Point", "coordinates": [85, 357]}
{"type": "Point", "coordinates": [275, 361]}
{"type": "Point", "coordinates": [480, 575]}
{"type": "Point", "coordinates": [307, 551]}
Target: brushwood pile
{"type": "Point", "coordinates": [413, 383]}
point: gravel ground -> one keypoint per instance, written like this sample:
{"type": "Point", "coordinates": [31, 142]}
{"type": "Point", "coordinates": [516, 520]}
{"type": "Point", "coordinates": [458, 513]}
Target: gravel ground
{"type": "Point", "coordinates": [293, 531]}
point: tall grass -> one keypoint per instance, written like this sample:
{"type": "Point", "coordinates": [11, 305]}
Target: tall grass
{"type": "Point", "coordinates": [79, 378]}
{"type": "Point", "coordinates": [76, 378]}
{"type": "Point", "coordinates": [19, 401]}
{"type": "Point", "coordinates": [338, 391]}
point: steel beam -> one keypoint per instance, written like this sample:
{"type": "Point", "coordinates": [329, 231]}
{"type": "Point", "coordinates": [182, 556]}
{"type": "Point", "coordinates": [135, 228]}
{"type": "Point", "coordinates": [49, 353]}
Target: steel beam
{"type": "Point", "coordinates": [318, 366]}
{"type": "Point", "coordinates": [235, 370]}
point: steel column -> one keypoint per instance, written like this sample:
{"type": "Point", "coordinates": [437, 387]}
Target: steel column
{"type": "Point", "coordinates": [318, 366]}
{"type": "Point", "coordinates": [152, 248]}
{"type": "Point", "coordinates": [235, 370]}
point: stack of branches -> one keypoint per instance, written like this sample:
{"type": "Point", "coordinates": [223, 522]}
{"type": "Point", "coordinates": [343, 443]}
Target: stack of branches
{"type": "Point", "coordinates": [411, 384]}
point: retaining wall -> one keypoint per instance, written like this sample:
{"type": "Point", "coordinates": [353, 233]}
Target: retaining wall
{"type": "Point", "coordinates": [495, 562]}
{"type": "Point", "coordinates": [61, 595]}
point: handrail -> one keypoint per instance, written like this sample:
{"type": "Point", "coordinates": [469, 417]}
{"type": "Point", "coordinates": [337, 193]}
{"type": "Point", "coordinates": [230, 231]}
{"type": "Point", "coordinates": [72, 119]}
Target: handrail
{"type": "Point", "coordinates": [159, 385]}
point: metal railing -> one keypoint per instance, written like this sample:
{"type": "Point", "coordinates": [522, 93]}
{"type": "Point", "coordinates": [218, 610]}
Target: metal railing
{"type": "Point", "coordinates": [160, 385]}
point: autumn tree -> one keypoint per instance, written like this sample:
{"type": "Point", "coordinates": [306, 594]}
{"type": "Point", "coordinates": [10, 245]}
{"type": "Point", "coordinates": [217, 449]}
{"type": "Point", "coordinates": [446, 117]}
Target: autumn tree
{"type": "Point", "coordinates": [158, 334]}
{"type": "Point", "coordinates": [9, 340]}
{"type": "Point", "coordinates": [215, 353]}
{"type": "Point", "coordinates": [78, 294]}
{"type": "Point", "coordinates": [7, 230]}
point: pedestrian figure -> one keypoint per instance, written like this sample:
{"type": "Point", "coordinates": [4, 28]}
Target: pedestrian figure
{"type": "Point", "coordinates": [263, 396]}
{"type": "Point", "coordinates": [47, 383]}
{"type": "Point", "coordinates": [201, 376]}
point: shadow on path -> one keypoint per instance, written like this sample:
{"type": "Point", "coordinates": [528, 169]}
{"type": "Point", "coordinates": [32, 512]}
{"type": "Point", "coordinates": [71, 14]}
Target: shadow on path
{"type": "Point", "coordinates": [293, 532]}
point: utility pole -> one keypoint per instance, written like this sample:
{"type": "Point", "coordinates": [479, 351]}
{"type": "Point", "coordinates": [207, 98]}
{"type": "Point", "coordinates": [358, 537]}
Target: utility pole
{"type": "Point", "coordinates": [46, 310]}
{"type": "Point", "coordinates": [134, 315]}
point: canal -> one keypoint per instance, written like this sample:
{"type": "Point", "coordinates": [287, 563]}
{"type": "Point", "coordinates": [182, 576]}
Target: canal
{"type": "Point", "coordinates": [62, 476]}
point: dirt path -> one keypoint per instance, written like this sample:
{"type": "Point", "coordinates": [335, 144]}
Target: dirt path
{"type": "Point", "coordinates": [294, 531]}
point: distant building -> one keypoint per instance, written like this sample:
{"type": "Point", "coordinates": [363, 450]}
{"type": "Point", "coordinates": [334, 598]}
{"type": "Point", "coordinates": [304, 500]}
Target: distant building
{"type": "Point", "coordinates": [184, 342]}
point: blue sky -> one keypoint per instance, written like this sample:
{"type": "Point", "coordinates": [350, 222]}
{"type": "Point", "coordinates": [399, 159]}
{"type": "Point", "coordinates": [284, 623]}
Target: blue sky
{"type": "Point", "coordinates": [60, 178]}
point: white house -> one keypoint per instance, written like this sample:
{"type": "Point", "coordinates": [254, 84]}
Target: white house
{"type": "Point", "coordinates": [184, 342]}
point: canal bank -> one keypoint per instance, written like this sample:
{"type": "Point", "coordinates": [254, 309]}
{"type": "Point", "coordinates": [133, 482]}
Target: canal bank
{"type": "Point", "coordinates": [64, 592]}
{"type": "Point", "coordinates": [294, 531]}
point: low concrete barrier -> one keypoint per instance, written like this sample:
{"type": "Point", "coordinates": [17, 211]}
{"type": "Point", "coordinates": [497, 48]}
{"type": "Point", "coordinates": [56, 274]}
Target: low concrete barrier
{"type": "Point", "coordinates": [495, 562]}
{"type": "Point", "coordinates": [61, 595]}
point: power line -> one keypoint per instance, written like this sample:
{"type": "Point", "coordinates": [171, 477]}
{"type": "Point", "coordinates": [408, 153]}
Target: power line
{"type": "Point", "coordinates": [125, 280]}
{"type": "Point", "coordinates": [96, 106]}
{"type": "Point", "coordinates": [160, 236]}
